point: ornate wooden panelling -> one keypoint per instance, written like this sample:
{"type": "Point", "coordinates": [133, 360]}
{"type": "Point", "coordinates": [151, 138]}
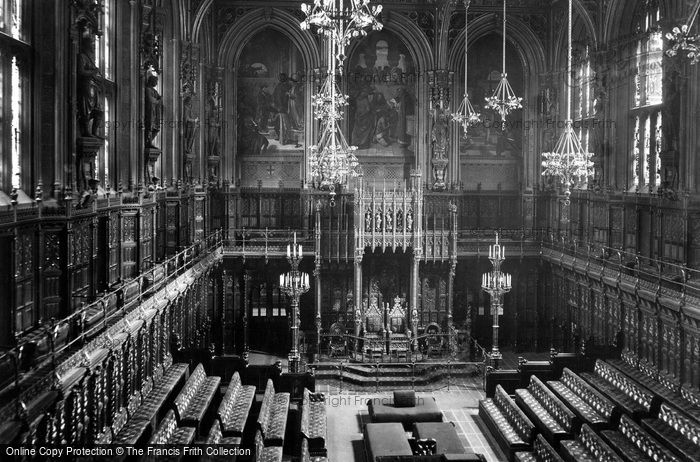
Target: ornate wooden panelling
{"type": "Point", "coordinates": [52, 273]}
{"type": "Point", "coordinates": [114, 239]}
{"type": "Point", "coordinates": [129, 244]}
{"type": "Point", "coordinates": [80, 264]}
{"type": "Point", "coordinates": [674, 240]}
{"type": "Point", "coordinates": [147, 237]}
{"type": "Point", "coordinates": [23, 279]}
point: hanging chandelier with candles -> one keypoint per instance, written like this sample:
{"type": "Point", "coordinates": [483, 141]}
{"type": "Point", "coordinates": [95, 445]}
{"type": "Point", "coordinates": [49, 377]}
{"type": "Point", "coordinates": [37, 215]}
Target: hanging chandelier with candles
{"type": "Point", "coordinates": [682, 41]}
{"type": "Point", "coordinates": [568, 161]}
{"type": "Point", "coordinates": [332, 160]}
{"type": "Point", "coordinates": [466, 116]}
{"type": "Point", "coordinates": [503, 99]}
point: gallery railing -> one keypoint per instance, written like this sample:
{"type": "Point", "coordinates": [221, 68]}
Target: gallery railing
{"type": "Point", "coordinates": [42, 350]}
{"type": "Point", "coordinates": [341, 376]}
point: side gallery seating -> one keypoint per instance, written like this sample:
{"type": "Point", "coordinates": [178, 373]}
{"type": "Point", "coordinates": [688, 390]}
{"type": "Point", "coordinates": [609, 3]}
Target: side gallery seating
{"type": "Point", "coordinates": [624, 392]}
{"type": "Point", "coordinates": [542, 451]}
{"type": "Point", "coordinates": [235, 407]}
{"type": "Point", "coordinates": [313, 423]}
{"type": "Point", "coordinates": [634, 444]}
{"type": "Point", "coordinates": [272, 424]}
{"type": "Point", "coordinates": [169, 433]}
{"type": "Point", "coordinates": [677, 431]}
{"type": "Point", "coordinates": [510, 426]}
{"type": "Point", "coordinates": [194, 400]}
{"type": "Point", "coordinates": [588, 447]}
{"type": "Point", "coordinates": [551, 416]}
{"type": "Point", "coordinates": [588, 404]}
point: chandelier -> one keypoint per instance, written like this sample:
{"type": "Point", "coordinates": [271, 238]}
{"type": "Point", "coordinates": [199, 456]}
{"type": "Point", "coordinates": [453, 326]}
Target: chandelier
{"type": "Point", "coordinates": [503, 99]}
{"type": "Point", "coordinates": [332, 160]}
{"type": "Point", "coordinates": [496, 283]}
{"type": "Point", "coordinates": [466, 116]}
{"type": "Point", "coordinates": [681, 40]}
{"type": "Point", "coordinates": [569, 161]}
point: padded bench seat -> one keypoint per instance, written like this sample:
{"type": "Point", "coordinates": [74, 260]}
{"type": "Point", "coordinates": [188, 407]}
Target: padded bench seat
{"type": "Point", "coordinates": [542, 451]}
{"type": "Point", "coordinates": [272, 419]}
{"type": "Point", "coordinates": [193, 402]}
{"type": "Point", "coordinates": [634, 444]}
{"type": "Point", "coordinates": [235, 407]}
{"type": "Point", "coordinates": [508, 424]}
{"type": "Point", "coordinates": [631, 397]}
{"type": "Point", "coordinates": [588, 447]}
{"type": "Point", "coordinates": [269, 454]}
{"type": "Point", "coordinates": [677, 431]}
{"type": "Point", "coordinates": [134, 432]}
{"type": "Point", "coordinates": [168, 432]}
{"type": "Point", "coordinates": [551, 416]}
{"type": "Point", "coordinates": [313, 422]}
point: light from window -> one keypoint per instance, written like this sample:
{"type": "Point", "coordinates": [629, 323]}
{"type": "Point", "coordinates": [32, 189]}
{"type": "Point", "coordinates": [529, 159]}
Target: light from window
{"type": "Point", "coordinates": [658, 136]}
{"type": "Point", "coordinates": [635, 154]}
{"type": "Point", "coordinates": [107, 39]}
{"type": "Point", "coordinates": [16, 124]}
{"type": "Point", "coordinates": [647, 150]}
{"type": "Point", "coordinates": [16, 26]}
{"type": "Point", "coordinates": [654, 70]}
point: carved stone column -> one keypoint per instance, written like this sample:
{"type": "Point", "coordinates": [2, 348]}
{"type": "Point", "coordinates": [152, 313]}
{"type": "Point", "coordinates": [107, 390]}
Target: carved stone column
{"type": "Point", "coordinates": [227, 317]}
{"type": "Point", "coordinates": [153, 19]}
{"type": "Point", "coordinates": [246, 307]}
{"type": "Point", "coordinates": [452, 341]}
{"type": "Point", "coordinates": [317, 274]}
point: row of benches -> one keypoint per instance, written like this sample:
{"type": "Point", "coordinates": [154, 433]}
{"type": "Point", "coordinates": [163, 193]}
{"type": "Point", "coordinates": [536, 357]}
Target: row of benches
{"type": "Point", "coordinates": [573, 408]}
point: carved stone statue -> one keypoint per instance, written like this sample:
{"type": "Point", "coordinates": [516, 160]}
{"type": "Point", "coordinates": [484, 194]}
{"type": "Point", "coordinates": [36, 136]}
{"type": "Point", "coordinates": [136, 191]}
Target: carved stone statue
{"type": "Point", "coordinates": [153, 110]}
{"type": "Point", "coordinates": [89, 89]}
{"type": "Point", "coordinates": [190, 124]}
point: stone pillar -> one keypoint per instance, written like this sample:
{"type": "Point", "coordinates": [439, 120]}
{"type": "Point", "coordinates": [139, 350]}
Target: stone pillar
{"type": "Point", "coordinates": [246, 307]}
{"type": "Point", "coordinates": [317, 275]}
{"type": "Point", "coordinates": [440, 82]}
{"type": "Point", "coordinates": [227, 314]}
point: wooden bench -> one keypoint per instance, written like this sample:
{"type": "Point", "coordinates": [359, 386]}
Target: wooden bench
{"type": "Point", "coordinates": [634, 444]}
{"type": "Point", "coordinates": [193, 402]}
{"type": "Point", "coordinates": [141, 417]}
{"type": "Point", "coordinates": [631, 397]}
{"type": "Point", "coordinates": [169, 433]}
{"type": "Point", "coordinates": [588, 447]}
{"type": "Point", "coordinates": [588, 404]}
{"type": "Point", "coordinates": [542, 451]}
{"type": "Point", "coordinates": [235, 407]}
{"type": "Point", "coordinates": [313, 422]}
{"type": "Point", "coordinates": [509, 425]}
{"type": "Point", "coordinates": [678, 432]}
{"type": "Point", "coordinates": [266, 453]}
{"type": "Point", "coordinates": [306, 456]}
{"type": "Point", "coordinates": [272, 419]}
{"type": "Point", "coordinates": [216, 438]}
{"type": "Point", "coordinates": [665, 388]}
{"type": "Point", "coordinates": [549, 414]}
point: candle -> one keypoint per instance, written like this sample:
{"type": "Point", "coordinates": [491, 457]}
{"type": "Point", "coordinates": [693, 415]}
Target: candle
{"type": "Point", "coordinates": [300, 252]}
{"type": "Point", "coordinates": [288, 253]}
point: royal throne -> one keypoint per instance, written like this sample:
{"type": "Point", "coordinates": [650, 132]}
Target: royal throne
{"type": "Point", "coordinates": [399, 340]}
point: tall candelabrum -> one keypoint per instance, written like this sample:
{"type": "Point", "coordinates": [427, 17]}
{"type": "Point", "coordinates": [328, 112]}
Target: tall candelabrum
{"type": "Point", "coordinates": [294, 284]}
{"type": "Point", "coordinates": [496, 283]}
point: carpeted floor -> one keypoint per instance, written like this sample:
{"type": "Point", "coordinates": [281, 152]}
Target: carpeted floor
{"type": "Point", "coordinates": [347, 414]}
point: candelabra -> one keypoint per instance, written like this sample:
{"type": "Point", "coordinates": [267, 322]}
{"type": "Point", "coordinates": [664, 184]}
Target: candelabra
{"type": "Point", "coordinates": [496, 283]}
{"type": "Point", "coordinates": [294, 284]}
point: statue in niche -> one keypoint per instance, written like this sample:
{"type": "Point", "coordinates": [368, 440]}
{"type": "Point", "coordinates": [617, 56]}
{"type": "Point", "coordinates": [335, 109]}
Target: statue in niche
{"type": "Point", "coordinates": [190, 124]}
{"type": "Point", "coordinates": [389, 221]}
{"type": "Point", "coordinates": [89, 89]}
{"type": "Point", "coordinates": [399, 220]}
{"type": "Point", "coordinates": [409, 221]}
{"type": "Point", "coordinates": [378, 221]}
{"type": "Point", "coordinates": [214, 122]}
{"type": "Point", "coordinates": [368, 220]}
{"type": "Point", "coordinates": [153, 110]}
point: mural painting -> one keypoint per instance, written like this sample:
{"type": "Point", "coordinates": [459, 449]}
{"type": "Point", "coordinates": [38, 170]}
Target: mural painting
{"type": "Point", "coordinates": [270, 97]}
{"type": "Point", "coordinates": [381, 79]}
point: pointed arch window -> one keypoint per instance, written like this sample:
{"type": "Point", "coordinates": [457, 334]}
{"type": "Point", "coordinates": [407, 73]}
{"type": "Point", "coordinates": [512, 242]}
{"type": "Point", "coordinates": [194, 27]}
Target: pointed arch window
{"type": "Point", "coordinates": [104, 59]}
{"type": "Point", "coordinates": [584, 98]}
{"type": "Point", "coordinates": [15, 53]}
{"type": "Point", "coordinates": [647, 99]}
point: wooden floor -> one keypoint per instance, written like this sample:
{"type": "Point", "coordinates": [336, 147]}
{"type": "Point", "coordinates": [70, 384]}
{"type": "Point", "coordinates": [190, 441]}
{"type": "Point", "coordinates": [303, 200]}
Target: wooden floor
{"type": "Point", "coordinates": [347, 414]}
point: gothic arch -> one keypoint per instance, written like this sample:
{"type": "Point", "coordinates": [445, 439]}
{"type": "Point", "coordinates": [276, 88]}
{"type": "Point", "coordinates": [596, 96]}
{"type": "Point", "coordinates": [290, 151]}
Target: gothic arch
{"type": "Point", "coordinates": [620, 12]}
{"type": "Point", "coordinates": [230, 48]}
{"type": "Point", "coordinates": [532, 57]}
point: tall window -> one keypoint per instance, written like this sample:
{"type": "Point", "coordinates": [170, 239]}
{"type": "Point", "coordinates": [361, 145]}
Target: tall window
{"type": "Point", "coordinates": [14, 91]}
{"type": "Point", "coordinates": [584, 98]}
{"type": "Point", "coordinates": [647, 99]}
{"type": "Point", "coordinates": [104, 58]}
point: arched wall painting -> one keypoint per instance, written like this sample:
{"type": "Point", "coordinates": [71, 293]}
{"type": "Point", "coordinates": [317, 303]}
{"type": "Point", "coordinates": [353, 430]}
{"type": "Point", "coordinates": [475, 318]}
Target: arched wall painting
{"type": "Point", "coordinates": [381, 83]}
{"type": "Point", "coordinates": [270, 96]}
{"type": "Point", "coordinates": [490, 155]}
